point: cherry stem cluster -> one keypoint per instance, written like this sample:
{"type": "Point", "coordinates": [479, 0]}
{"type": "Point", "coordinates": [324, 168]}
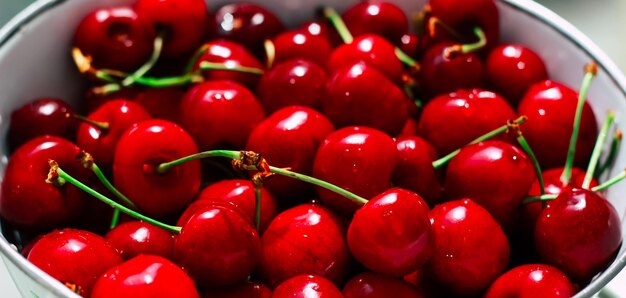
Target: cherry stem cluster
{"type": "Point", "coordinates": [597, 149]}
{"type": "Point", "coordinates": [548, 197]}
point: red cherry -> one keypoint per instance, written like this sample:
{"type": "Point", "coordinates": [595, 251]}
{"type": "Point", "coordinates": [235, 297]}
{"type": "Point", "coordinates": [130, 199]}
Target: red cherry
{"type": "Point", "coordinates": [358, 159]}
{"type": "Point", "coordinates": [290, 138]}
{"type": "Point", "coordinates": [291, 83]}
{"type": "Point", "coordinates": [306, 239]}
{"type": "Point", "coordinates": [464, 16]}
{"type": "Point", "coordinates": [307, 286]}
{"type": "Point", "coordinates": [532, 280]}
{"type": "Point", "coordinates": [217, 246]}
{"type": "Point", "coordinates": [27, 201]}
{"type": "Point", "coordinates": [231, 54]}
{"type": "Point", "coordinates": [391, 234]}
{"type": "Point", "coordinates": [361, 95]}
{"type": "Point", "coordinates": [323, 29]}
{"type": "Point", "coordinates": [139, 151]}
{"type": "Point", "coordinates": [414, 170]}
{"type": "Point", "coordinates": [200, 205]}
{"type": "Point", "coordinates": [145, 276]}
{"type": "Point", "coordinates": [300, 44]}
{"type": "Point", "coordinates": [43, 116]}
{"type": "Point", "coordinates": [245, 289]}
{"type": "Point", "coordinates": [598, 236]}
{"type": "Point", "coordinates": [74, 257]}
{"type": "Point", "coordinates": [410, 44]}
{"type": "Point", "coordinates": [470, 250]}
{"type": "Point", "coordinates": [220, 114]}
{"type": "Point", "coordinates": [134, 238]}
{"type": "Point", "coordinates": [374, 285]}
{"type": "Point", "coordinates": [451, 121]}
{"type": "Point", "coordinates": [550, 107]}
{"type": "Point", "coordinates": [162, 103]}
{"type": "Point", "coordinates": [372, 17]}
{"type": "Point", "coordinates": [183, 22]}
{"type": "Point", "coordinates": [116, 38]}
{"type": "Point", "coordinates": [512, 69]}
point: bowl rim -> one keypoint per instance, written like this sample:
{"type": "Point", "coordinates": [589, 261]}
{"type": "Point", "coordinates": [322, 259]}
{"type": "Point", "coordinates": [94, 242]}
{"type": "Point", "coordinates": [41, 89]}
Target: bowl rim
{"type": "Point", "coordinates": [528, 7]}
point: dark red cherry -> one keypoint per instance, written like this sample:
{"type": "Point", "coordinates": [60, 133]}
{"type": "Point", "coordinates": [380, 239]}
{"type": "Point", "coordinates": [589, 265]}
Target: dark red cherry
{"type": "Point", "coordinates": [550, 107]}
{"type": "Point", "coordinates": [410, 44]}
{"type": "Point", "coordinates": [220, 114]}
{"type": "Point", "coordinates": [414, 170]}
{"type": "Point", "coordinates": [245, 289]}
{"type": "Point", "coordinates": [374, 285]}
{"type": "Point", "coordinates": [292, 83]}
{"type": "Point", "coordinates": [145, 276]}
{"type": "Point", "coordinates": [359, 94]}
{"type": "Point", "coordinates": [134, 238]}
{"type": "Point", "coordinates": [358, 159]}
{"type": "Point", "coordinates": [306, 239]}
{"type": "Point", "coordinates": [162, 103]}
{"type": "Point", "coordinates": [588, 251]}
{"type": "Point", "coordinates": [300, 44]}
{"type": "Point", "coordinates": [464, 16]}
{"type": "Point", "coordinates": [451, 121]}
{"type": "Point", "coordinates": [76, 258]}
{"type": "Point", "coordinates": [307, 286]}
{"type": "Point", "coordinates": [532, 280]}
{"type": "Point", "coordinates": [218, 247]}
{"type": "Point", "coordinates": [248, 24]}
{"type": "Point", "coordinates": [512, 69]}
{"type": "Point", "coordinates": [27, 201]}
{"type": "Point", "coordinates": [442, 71]}
{"type": "Point", "coordinates": [140, 151]}
{"type": "Point", "coordinates": [116, 117]}
{"type": "Point", "coordinates": [391, 234]}
{"type": "Point", "coordinates": [290, 138]}
{"type": "Point", "coordinates": [323, 29]}
{"type": "Point", "coordinates": [116, 38]}
{"type": "Point", "coordinates": [94, 100]}
{"type": "Point", "coordinates": [183, 23]}
{"type": "Point", "coordinates": [43, 116]}
{"type": "Point", "coordinates": [373, 17]}
{"type": "Point", "coordinates": [470, 250]}
{"type": "Point", "coordinates": [240, 193]}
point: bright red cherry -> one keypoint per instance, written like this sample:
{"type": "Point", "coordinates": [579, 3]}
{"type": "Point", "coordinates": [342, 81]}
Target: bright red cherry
{"type": "Point", "coordinates": [134, 238]}
{"type": "Point", "coordinates": [374, 285]}
{"type": "Point", "coordinates": [161, 103]}
{"type": "Point", "coordinates": [464, 16]}
{"type": "Point", "coordinates": [145, 276]}
{"type": "Point", "coordinates": [414, 170]}
{"type": "Point", "coordinates": [470, 251]}
{"type": "Point", "coordinates": [245, 289]}
{"type": "Point", "coordinates": [116, 38]}
{"type": "Point", "coordinates": [381, 18]}
{"type": "Point", "coordinates": [532, 280]}
{"type": "Point", "coordinates": [74, 257]}
{"type": "Point", "coordinates": [300, 44]}
{"type": "Point", "coordinates": [307, 286]}
{"type": "Point", "coordinates": [138, 154]}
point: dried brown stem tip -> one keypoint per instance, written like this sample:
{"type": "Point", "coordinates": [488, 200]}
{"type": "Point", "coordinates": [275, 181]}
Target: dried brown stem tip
{"type": "Point", "coordinates": [591, 68]}
{"type": "Point", "coordinates": [53, 177]}
{"type": "Point", "coordinates": [85, 159]}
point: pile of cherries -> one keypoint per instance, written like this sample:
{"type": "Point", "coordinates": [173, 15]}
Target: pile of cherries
{"type": "Point", "coordinates": [347, 157]}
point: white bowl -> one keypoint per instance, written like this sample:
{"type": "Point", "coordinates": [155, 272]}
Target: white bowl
{"type": "Point", "coordinates": [35, 62]}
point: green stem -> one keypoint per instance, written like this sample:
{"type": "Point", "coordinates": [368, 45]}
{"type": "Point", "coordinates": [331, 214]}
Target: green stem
{"type": "Point", "coordinates": [479, 44]}
{"type": "Point", "coordinates": [406, 59]}
{"type": "Point", "coordinates": [168, 81]}
{"type": "Point", "coordinates": [615, 145]}
{"type": "Point", "coordinates": [206, 65]}
{"type": "Point", "coordinates": [442, 161]}
{"type": "Point", "coordinates": [103, 126]}
{"type": "Point", "coordinates": [164, 167]}
{"type": "Point", "coordinates": [257, 213]}
{"type": "Point", "coordinates": [597, 149]}
{"type": "Point", "coordinates": [146, 67]}
{"type": "Point", "coordinates": [115, 219]}
{"type": "Point", "coordinates": [590, 73]}
{"type": "Point", "coordinates": [68, 178]}
{"type": "Point", "coordinates": [522, 141]}
{"type": "Point", "coordinates": [196, 56]}
{"type": "Point", "coordinates": [103, 179]}
{"type": "Point", "coordinates": [335, 19]}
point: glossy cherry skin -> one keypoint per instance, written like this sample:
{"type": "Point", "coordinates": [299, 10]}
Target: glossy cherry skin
{"type": "Point", "coordinates": [463, 16]}
{"type": "Point", "coordinates": [306, 239]}
{"type": "Point", "coordinates": [229, 53]}
{"type": "Point", "coordinates": [292, 83]}
{"type": "Point", "coordinates": [381, 18]}
{"type": "Point", "coordinates": [550, 107]}
{"type": "Point", "coordinates": [450, 121]}
{"type": "Point", "coordinates": [512, 69]}
{"type": "Point", "coordinates": [116, 38]}
{"type": "Point", "coordinates": [307, 286]}
{"type": "Point", "coordinates": [374, 285]}
{"type": "Point", "coordinates": [145, 276]}
{"type": "Point", "coordinates": [42, 116]}
{"type": "Point", "coordinates": [391, 234]}
{"type": "Point", "coordinates": [414, 170]}
{"type": "Point", "coordinates": [27, 201]}
{"type": "Point", "coordinates": [358, 159]}
{"type": "Point", "coordinates": [442, 73]}
{"type": "Point", "coordinates": [290, 138]}
{"type": "Point", "coordinates": [218, 247]}
{"type": "Point", "coordinates": [300, 44]}
{"type": "Point", "coordinates": [240, 193]}
{"type": "Point", "coordinates": [134, 238]}
{"type": "Point", "coordinates": [161, 103]}
{"type": "Point", "coordinates": [220, 114]}
{"type": "Point", "coordinates": [470, 250]}
{"type": "Point", "coordinates": [118, 115]}
{"type": "Point", "coordinates": [245, 289]}
{"type": "Point", "coordinates": [184, 23]}
{"type": "Point", "coordinates": [139, 151]}
{"type": "Point", "coordinates": [361, 95]}
{"type": "Point", "coordinates": [598, 236]}
{"type": "Point", "coordinates": [532, 280]}
{"type": "Point", "coordinates": [248, 24]}
{"type": "Point", "coordinates": [74, 257]}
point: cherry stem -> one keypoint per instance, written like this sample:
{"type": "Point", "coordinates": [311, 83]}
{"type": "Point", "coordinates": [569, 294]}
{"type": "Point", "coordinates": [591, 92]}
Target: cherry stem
{"type": "Point", "coordinates": [164, 167]}
{"type": "Point", "coordinates": [154, 82]}
{"type": "Point", "coordinates": [442, 161]}
{"type": "Point", "coordinates": [115, 219]}
{"type": "Point", "coordinates": [206, 65]}
{"type": "Point", "coordinates": [103, 126]}
{"type": "Point", "coordinates": [597, 149]}
{"type": "Point", "coordinates": [522, 141]}
{"type": "Point", "coordinates": [479, 44]}
{"type": "Point", "coordinates": [68, 178]}
{"type": "Point", "coordinates": [257, 206]}
{"type": "Point", "coordinates": [103, 179]}
{"type": "Point", "coordinates": [433, 22]}
{"type": "Point", "coordinates": [196, 56]}
{"type": "Point", "coordinates": [615, 145]}
{"type": "Point", "coordinates": [270, 52]}
{"type": "Point", "coordinates": [406, 59]}
{"type": "Point", "coordinates": [335, 19]}
{"type": "Point", "coordinates": [591, 70]}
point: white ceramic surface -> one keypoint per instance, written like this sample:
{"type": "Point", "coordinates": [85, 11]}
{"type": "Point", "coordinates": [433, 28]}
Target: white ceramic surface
{"type": "Point", "coordinates": [35, 62]}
